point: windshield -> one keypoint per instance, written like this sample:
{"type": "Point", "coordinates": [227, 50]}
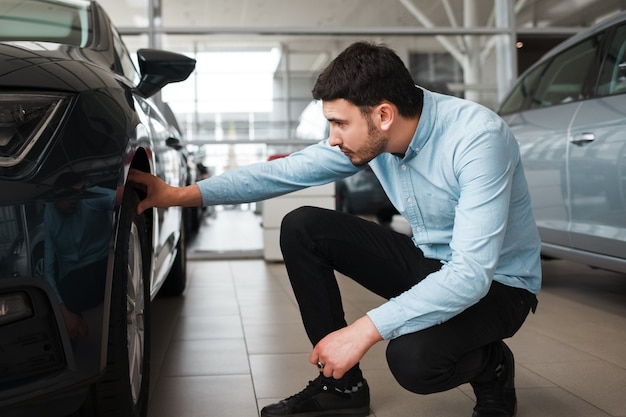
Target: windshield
{"type": "Point", "coordinates": [65, 22]}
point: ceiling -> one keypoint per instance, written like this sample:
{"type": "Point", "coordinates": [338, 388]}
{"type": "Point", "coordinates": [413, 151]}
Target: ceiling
{"type": "Point", "coordinates": [317, 29]}
{"type": "Point", "coordinates": [330, 14]}
{"type": "Point", "coordinates": [309, 33]}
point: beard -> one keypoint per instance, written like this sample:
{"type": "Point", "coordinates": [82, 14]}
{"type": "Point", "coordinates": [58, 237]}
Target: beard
{"type": "Point", "coordinates": [375, 145]}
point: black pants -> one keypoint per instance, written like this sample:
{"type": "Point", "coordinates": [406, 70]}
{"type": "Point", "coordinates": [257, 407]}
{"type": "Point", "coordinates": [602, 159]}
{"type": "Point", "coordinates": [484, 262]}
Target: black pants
{"type": "Point", "coordinates": [316, 242]}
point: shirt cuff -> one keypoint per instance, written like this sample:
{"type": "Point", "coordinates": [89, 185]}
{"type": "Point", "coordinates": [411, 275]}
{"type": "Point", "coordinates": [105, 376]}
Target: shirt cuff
{"type": "Point", "coordinates": [385, 318]}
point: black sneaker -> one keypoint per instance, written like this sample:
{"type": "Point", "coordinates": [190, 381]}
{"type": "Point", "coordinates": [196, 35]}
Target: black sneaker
{"type": "Point", "coordinates": [497, 398]}
{"type": "Point", "coordinates": [321, 398]}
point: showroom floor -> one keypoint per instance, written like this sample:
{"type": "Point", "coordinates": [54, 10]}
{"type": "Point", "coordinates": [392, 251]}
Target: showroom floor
{"type": "Point", "coordinates": [235, 343]}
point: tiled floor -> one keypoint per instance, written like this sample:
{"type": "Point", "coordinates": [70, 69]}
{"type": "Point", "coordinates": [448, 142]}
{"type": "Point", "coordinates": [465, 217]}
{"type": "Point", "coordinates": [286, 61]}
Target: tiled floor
{"type": "Point", "coordinates": [235, 343]}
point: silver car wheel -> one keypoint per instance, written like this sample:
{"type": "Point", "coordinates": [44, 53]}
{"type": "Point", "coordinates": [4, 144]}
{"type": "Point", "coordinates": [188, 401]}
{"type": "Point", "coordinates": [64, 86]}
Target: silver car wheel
{"type": "Point", "coordinates": [135, 305]}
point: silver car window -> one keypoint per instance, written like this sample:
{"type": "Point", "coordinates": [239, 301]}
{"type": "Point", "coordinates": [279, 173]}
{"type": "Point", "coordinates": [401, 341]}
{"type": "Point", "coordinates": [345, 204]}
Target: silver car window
{"type": "Point", "coordinates": [564, 79]}
{"type": "Point", "coordinates": [518, 99]}
{"type": "Point", "coordinates": [613, 74]}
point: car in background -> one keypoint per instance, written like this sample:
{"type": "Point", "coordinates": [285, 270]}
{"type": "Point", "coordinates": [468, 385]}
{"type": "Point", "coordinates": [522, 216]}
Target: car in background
{"type": "Point", "coordinates": [196, 170]}
{"type": "Point", "coordinates": [361, 193]}
{"type": "Point", "coordinates": [78, 265]}
{"type": "Point", "coordinates": [568, 112]}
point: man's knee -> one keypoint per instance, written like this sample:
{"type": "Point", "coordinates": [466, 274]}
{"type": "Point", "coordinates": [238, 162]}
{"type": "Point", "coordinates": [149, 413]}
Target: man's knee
{"type": "Point", "coordinates": [414, 367]}
{"type": "Point", "coordinates": [297, 218]}
{"type": "Point", "coordinates": [297, 225]}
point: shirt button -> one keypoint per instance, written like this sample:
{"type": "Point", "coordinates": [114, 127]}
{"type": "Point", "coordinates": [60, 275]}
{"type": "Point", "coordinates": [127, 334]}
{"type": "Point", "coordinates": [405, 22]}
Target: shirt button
{"type": "Point", "coordinates": [403, 167]}
{"type": "Point", "coordinates": [409, 200]}
{"type": "Point", "coordinates": [418, 229]}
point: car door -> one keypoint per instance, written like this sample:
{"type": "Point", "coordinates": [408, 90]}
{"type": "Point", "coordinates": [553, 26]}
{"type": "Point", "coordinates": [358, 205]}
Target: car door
{"type": "Point", "coordinates": [539, 112]}
{"type": "Point", "coordinates": [597, 159]}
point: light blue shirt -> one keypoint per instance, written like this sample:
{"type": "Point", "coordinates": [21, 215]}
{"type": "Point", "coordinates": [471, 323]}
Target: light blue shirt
{"type": "Point", "coordinates": [460, 185]}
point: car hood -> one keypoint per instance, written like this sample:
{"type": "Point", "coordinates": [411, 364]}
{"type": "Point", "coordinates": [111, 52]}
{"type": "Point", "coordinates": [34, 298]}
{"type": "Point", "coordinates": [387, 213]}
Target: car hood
{"type": "Point", "coordinates": [51, 66]}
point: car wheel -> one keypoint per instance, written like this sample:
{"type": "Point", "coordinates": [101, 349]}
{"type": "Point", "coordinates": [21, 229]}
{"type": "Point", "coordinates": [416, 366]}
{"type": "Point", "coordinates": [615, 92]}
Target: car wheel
{"type": "Point", "coordinates": [123, 390]}
{"type": "Point", "coordinates": [194, 219]}
{"type": "Point", "coordinates": [176, 280]}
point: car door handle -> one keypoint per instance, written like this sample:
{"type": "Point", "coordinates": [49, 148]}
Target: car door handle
{"type": "Point", "coordinates": [582, 139]}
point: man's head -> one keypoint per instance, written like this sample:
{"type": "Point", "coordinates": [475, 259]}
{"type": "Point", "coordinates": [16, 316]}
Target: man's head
{"type": "Point", "coordinates": [68, 206]}
{"type": "Point", "coordinates": [366, 74]}
{"type": "Point", "coordinates": [370, 100]}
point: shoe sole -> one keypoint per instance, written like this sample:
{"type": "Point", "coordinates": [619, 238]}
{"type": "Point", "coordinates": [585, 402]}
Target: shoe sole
{"type": "Point", "coordinates": [348, 412]}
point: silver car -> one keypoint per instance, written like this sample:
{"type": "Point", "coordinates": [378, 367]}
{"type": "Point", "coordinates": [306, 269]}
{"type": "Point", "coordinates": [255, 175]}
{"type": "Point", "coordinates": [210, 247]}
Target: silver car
{"type": "Point", "coordinates": [568, 112]}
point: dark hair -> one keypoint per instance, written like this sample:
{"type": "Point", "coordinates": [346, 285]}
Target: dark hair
{"type": "Point", "coordinates": [365, 74]}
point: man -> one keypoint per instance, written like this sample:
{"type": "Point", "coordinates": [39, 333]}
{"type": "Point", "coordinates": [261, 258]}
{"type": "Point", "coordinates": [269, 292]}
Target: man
{"type": "Point", "coordinates": [465, 280]}
{"type": "Point", "coordinates": [77, 232]}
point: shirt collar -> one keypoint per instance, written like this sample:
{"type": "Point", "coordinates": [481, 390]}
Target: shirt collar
{"type": "Point", "coordinates": [425, 125]}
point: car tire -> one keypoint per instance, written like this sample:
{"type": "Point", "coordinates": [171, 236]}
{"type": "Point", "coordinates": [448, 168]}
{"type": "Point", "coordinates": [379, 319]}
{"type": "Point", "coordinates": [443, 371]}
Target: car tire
{"type": "Point", "coordinates": [124, 388]}
{"type": "Point", "coordinates": [194, 220]}
{"type": "Point", "coordinates": [176, 280]}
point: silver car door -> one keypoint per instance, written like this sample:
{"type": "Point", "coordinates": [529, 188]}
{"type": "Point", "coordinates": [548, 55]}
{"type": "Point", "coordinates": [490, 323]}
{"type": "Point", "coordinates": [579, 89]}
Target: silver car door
{"type": "Point", "coordinates": [542, 131]}
{"type": "Point", "coordinates": [597, 160]}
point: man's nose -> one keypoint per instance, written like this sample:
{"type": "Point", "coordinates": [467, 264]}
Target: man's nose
{"type": "Point", "coordinates": [334, 139]}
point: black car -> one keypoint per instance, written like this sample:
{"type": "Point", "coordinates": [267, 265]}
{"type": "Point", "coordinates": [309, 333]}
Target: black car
{"type": "Point", "coordinates": [78, 266]}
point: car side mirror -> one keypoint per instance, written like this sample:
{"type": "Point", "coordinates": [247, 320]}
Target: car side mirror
{"type": "Point", "coordinates": [159, 68]}
{"type": "Point", "coordinates": [173, 143]}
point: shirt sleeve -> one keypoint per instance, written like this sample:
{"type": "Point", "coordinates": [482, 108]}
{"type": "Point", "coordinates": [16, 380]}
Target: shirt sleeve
{"type": "Point", "coordinates": [484, 168]}
{"type": "Point", "coordinates": [316, 164]}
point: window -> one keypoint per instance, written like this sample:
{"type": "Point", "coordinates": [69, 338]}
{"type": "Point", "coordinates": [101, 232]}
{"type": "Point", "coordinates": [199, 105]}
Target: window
{"type": "Point", "coordinates": [518, 99]}
{"type": "Point", "coordinates": [435, 71]}
{"type": "Point", "coordinates": [66, 23]}
{"type": "Point", "coordinates": [613, 74]}
{"type": "Point", "coordinates": [563, 81]}
{"type": "Point", "coordinates": [124, 62]}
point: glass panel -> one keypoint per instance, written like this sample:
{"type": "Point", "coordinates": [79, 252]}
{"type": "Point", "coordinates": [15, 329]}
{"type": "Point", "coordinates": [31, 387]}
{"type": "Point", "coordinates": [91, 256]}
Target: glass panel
{"type": "Point", "coordinates": [564, 79]}
{"type": "Point", "coordinates": [44, 21]}
{"type": "Point", "coordinates": [518, 99]}
{"type": "Point", "coordinates": [613, 75]}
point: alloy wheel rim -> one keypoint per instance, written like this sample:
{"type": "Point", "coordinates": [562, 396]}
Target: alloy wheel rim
{"type": "Point", "coordinates": [135, 305]}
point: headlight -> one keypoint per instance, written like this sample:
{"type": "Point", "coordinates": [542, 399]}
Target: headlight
{"type": "Point", "coordinates": [23, 119]}
{"type": "Point", "coordinates": [14, 307]}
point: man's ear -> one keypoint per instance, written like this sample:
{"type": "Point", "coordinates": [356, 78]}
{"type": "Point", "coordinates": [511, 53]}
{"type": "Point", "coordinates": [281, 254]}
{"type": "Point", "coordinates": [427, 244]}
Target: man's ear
{"type": "Point", "coordinates": [386, 113]}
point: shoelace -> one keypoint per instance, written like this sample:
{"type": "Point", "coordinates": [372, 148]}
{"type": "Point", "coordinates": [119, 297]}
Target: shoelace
{"type": "Point", "coordinates": [312, 384]}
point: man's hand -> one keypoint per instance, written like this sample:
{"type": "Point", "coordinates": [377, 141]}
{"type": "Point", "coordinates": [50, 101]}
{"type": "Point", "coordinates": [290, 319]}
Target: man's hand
{"type": "Point", "coordinates": [162, 195]}
{"type": "Point", "coordinates": [342, 349]}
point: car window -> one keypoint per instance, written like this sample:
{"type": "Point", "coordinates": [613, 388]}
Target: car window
{"type": "Point", "coordinates": [518, 99]}
{"type": "Point", "coordinates": [66, 23]}
{"type": "Point", "coordinates": [613, 74]}
{"type": "Point", "coordinates": [563, 80]}
{"type": "Point", "coordinates": [125, 62]}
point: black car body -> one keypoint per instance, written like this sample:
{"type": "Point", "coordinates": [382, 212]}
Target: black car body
{"type": "Point", "coordinates": [78, 266]}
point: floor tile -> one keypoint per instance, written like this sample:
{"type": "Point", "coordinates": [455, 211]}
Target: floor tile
{"type": "Point", "coordinates": [204, 396]}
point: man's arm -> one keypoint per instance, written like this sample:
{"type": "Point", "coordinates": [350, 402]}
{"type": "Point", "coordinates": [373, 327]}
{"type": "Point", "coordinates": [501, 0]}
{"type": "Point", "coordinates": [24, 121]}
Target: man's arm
{"type": "Point", "coordinates": [161, 195]}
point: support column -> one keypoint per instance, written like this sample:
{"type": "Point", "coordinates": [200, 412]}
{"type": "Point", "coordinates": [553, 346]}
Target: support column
{"type": "Point", "coordinates": [471, 59]}
{"type": "Point", "coordinates": [506, 51]}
